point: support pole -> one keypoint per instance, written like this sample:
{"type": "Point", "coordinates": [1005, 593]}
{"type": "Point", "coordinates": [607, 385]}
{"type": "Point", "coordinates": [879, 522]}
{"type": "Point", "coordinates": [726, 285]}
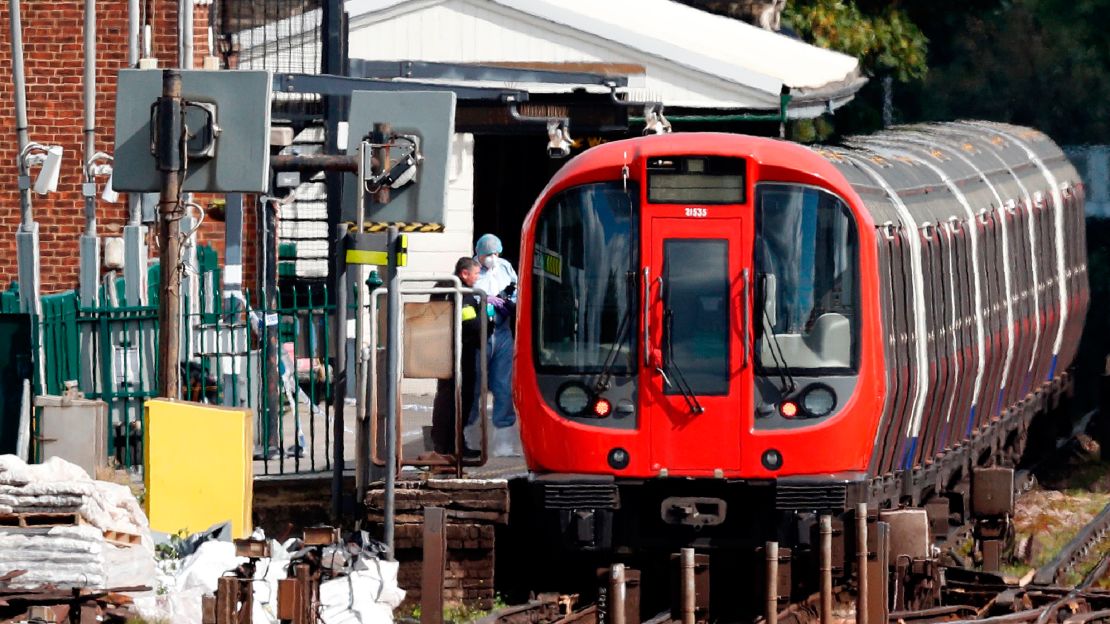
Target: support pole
{"type": "Point", "coordinates": [435, 561]}
{"type": "Point", "coordinates": [826, 569]}
{"type": "Point", "coordinates": [333, 62]}
{"type": "Point", "coordinates": [20, 83]}
{"type": "Point", "coordinates": [132, 33]}
{"type": "Point", "coordinates": [393, 385]}
{"type": "Point", "coordinates": [271, 437]}
{"type": "Point", "coordinates": [618, 594]}
{"type": "Point", "coordinates": [134, 234]}
{"type": "Point", "coordinates": [362, 353]}
{"type": "Point", "coordinates": [186, 34]}
{"type": "Point", "coordinates": [232, 286]}
{"type": "Point", "coordinates": [89, 275]}
{"type": "Point", "coordinates": [772, 611]}
{"type": "Point", "coordinates": [90, 95]}
{"type": "Point", "coordinates": [861, 563]}
{"type": "Point", "coordinates": [689, 586]}
{"type": "Point", "coordinates": [337, 286]}
{"type": "Point", "coordinates": [170, 163]}
{"type": "Point", "coordinates": [27, 238]}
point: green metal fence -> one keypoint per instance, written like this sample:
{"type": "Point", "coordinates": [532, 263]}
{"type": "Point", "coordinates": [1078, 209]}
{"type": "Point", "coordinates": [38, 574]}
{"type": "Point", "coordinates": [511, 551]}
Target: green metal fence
{"type": "Point", "coordinates": [273, 361]}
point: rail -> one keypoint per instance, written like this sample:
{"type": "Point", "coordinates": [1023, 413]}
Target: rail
{"type": "Point", "coordinates": [1055, 571]}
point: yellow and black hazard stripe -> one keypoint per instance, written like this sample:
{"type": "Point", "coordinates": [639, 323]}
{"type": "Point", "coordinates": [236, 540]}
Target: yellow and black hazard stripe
{"type": "Point", "coordinates": [402, 226]}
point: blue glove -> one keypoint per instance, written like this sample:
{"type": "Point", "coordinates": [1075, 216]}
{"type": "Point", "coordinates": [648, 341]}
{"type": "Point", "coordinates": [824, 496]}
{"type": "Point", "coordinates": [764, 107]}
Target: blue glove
{"type": "Point", "coordinates": [497, 302]}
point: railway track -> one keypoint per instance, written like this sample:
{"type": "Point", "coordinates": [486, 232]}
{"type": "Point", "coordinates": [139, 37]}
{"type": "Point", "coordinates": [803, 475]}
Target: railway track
{"type": "Point", "coordinates": [1076, 551]}
{"type": "Point", "coordinates": [1041, 597]}
{"type": "Point", "coordinates": [980, 598]}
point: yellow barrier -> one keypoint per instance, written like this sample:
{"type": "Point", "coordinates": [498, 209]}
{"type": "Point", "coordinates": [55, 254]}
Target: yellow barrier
{"type": "Point", "coordinates": [197, 466]}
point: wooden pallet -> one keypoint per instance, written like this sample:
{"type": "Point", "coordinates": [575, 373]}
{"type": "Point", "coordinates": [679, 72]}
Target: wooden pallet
{"type": "Point", "coordinates": [119, 538]}
{"type": "Point", "coordinates": [39, 519]}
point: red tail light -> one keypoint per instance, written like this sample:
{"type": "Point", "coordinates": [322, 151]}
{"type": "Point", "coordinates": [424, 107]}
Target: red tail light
{"type": "Point", "coordinates": [789, 409]}
{"type": "Point", "coordinates": [602, 407]}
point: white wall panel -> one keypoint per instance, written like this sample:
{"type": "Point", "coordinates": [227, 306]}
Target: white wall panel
{"type": "Point", "coordinates": [466, 33]}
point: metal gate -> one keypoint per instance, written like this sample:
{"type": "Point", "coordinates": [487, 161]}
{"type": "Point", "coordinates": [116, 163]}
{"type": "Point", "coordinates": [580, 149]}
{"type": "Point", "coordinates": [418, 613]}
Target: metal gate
{"type": "Point", "coordinates": [275, 361]}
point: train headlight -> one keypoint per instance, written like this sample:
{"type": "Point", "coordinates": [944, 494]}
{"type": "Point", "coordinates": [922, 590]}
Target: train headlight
{"type": "Point", "coordinates": [818, 400]}
{"type": "Point", "coordinates": [573, 399]}
{"type": "Point", "coordinates": [771, 459]}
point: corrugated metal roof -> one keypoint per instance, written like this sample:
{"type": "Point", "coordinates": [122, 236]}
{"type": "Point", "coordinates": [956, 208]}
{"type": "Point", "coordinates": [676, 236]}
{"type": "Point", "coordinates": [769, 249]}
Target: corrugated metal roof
{"type": "Point", "coordinates": [737, 65]}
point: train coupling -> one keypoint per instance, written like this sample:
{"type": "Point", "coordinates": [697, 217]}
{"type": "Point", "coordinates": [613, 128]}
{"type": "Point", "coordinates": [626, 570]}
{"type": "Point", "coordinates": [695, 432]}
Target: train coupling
{"type": "Point", "coordinates": [693, 511]}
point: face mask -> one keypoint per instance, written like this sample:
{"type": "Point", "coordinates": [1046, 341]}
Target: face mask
{"type": "Point", "coordinates": [489, 261]}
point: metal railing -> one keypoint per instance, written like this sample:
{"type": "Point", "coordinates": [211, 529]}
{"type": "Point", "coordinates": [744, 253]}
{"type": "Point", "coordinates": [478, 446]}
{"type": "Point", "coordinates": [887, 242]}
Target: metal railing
{"type": "Point", "coordinates": [111, 351]}
{"type": "Point", "coordinates": [370, 375]}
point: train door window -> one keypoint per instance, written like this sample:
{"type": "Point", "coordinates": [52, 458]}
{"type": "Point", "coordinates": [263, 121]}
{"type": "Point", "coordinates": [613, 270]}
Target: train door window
{"type": "Point", "coordinates": [806, 265]}
{"type": "Point", "coordinates": [696, 314]}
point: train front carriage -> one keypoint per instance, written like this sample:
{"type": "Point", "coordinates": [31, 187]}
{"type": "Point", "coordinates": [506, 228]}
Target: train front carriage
{"type": "Point", "coordinates": [721, 336]}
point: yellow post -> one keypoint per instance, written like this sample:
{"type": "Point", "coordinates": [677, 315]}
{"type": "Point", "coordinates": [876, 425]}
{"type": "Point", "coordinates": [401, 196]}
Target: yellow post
{"type": "Point", "coordinates": [197, 466]}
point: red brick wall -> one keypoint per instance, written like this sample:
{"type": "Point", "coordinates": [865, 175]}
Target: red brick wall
{"type": "Point", "coordinates": [53, 38]}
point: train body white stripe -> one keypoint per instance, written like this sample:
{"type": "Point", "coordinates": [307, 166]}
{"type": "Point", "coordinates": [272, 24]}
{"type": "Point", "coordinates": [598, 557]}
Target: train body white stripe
{"type": "Point", "coordinates": [918, 286]}
{"type": "Point", "coordinates": [1008, 278]}
{"type": "Point", "coordinates": [973, 235]}
{"type": "Point", "coordinates": [955, 319]}
{"type": "Point", "coordinates": [1058, 218]}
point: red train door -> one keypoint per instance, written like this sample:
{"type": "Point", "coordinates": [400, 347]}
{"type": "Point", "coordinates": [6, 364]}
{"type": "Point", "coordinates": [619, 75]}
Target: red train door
{"type": "Point", "coordinates": [698, 377]}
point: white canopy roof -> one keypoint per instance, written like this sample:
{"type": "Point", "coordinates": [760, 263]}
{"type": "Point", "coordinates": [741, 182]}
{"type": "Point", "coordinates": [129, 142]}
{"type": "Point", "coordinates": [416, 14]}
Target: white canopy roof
{"type": "Point", "coordinates": [691, 58]}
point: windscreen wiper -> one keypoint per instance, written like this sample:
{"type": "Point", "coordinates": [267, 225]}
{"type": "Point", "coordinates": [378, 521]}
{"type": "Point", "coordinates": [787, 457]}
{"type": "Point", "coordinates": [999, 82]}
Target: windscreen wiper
{"type": "Point", "coordinates": [670, 362]}
{"type": "Point", "coordinates": [605, 376]}
{"type": "Point", "coordinates": [785, 378]}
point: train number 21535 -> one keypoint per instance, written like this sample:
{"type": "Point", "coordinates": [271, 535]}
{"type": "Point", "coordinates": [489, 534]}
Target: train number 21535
{"type": "Point", "coordinates": [697, 212]}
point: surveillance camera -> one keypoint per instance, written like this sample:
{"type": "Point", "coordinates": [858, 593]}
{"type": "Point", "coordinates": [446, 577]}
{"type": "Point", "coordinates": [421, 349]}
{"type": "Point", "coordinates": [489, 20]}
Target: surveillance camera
{"type": "Point", "coordinates": [402, 173]}
{"type": "Point", "coordinates": [560, 150]}
{"type": "Point", "coordinates": [558, 140]}
{"type": "Point", "coordinates": [654, 121]}
{"type": "Point", "coordinates": [47, 182]}
{"type": "Point", "coordinates": [109, 195]}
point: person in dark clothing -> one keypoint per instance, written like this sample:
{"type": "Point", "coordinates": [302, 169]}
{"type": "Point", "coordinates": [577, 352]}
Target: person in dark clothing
{"type": "Point", "coordinates": [443, 409]}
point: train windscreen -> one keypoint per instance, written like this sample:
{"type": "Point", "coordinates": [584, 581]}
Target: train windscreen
{"type": "Point", "coordinates": [583, 293]}
{"type": "Point", "coordinates": [806, 270]}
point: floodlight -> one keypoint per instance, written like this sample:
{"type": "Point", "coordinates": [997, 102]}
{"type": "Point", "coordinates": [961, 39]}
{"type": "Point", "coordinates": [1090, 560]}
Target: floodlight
{"type": "Point", "coordinates": [109, 195]}
{"type": "Point", "coordinates": [47, 181]}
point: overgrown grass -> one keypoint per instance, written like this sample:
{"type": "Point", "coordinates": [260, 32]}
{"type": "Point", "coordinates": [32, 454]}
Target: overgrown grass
{"type": "Point", "coordinates": [453, 612]}
{"type": "Point", "coordinates": [1048, 519]}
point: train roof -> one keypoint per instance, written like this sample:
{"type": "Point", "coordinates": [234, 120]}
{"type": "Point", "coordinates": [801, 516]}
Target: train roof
{"type": "Point", "coordinates": [603, 160]}
{"type": "Point", "coordinates": [921, 164]}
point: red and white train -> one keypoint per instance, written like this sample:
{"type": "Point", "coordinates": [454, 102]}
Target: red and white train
{"type": "Point", "coordinates": [722, 335]}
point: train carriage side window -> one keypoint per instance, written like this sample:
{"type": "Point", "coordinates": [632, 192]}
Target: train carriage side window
{"type": "Point", "coordinates": [806, 265]}
{"type": "Point", "coordinates": [584, 269]}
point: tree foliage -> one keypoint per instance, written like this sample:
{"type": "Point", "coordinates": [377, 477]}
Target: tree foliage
{"type": "Point", "coordinates": [1041, 63]}
{"type": "Point", "coordinates": [885, 41]}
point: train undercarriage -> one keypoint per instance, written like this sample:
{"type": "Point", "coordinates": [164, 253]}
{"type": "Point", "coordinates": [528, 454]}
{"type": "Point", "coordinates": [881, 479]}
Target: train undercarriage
{"type": "Point", "coordinates": [914, 521]}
